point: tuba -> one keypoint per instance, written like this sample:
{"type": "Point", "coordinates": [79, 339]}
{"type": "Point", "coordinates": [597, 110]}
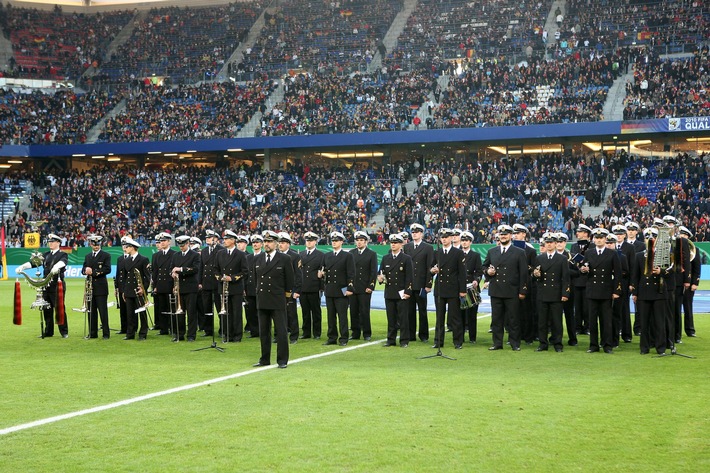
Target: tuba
{"type": "Point", "coordinates": [663, 249]}
{"type": "Point", "coordinates": [37, 259]}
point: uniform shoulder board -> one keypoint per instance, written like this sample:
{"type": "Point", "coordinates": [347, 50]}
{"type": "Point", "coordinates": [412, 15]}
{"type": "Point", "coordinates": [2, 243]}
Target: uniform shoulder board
{"type": "Point", "coordinates": [299, 263]}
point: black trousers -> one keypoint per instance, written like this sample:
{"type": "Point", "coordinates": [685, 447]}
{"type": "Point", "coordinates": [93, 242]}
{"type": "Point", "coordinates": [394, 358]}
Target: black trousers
{"type": "Point", "coordinates": [452, 307]}
{"type": "Point", "coordinates": [504, 311]}
{"type": "Point", "coordinates": [99, 308]}
{"type": "Point", "coordinates": [581, 311]}
{"type": "Point", "coordinates": [337, 308]}
{"type": "Point", "coordinates": [360, 315]}
{"type": "Point", "coordinates": [210, 302]}
{"type": "Point", "coordinates": [292, 319]}
{"type": "Point", "coordinates": [528, 318]}
{"type": "Point", "coordinates": [278, 318]}
{"type": "Point", "coordinates": [600, 332]}
{"type": "Point", "coordinates": [570, 322]}
{"type": "Point", "coordinates": [132, 319]}
{"type": "Point", "coordinates": [678, 314]}
{"type": "Point", "coordinates": [163, 313]}
{"type": "Point", "coordinates": [252, 316]}
{"type": "Point", "coordinates": [122, 312]}
{"type": "Point", "coordinates": [397, 315]}
{"type": "Point", "coordinates": [48, 314]}
{"type": "Point", "coordinates": [232, 324]}
{"type": "Point", "coordinates": [688, 321]}
{"type": "Point", "coordinates": [470, 322]}
{"type": "Point", "coordinates": [312, 314]}
{"type": "Point", "coordinates": [550, 319]}
{"type": "Point", "coordinates": [418, 305]}
{"type": "Point", "coordinates": [652, 317]}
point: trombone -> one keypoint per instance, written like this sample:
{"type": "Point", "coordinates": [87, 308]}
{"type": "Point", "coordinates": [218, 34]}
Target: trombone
{"type": "Point", "coordinates": [175, 308]}
{"type": "Point", "coordinates": [224, 311]}
{"type": "Point", "coordinates": [88, 299]}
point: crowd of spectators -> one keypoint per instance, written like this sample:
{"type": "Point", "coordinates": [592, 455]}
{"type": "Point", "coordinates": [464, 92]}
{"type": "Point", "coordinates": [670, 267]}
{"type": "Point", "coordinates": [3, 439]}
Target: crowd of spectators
{"type": "Point", "coordinates": [463, 29]}
{"type": "Point", "coordinates": [57, 45]}
{"type": "Point", "coordinates": [668, 88]}
{"type": "Point", "coordinates": [320, 36]}
{"type": "Point", "coordinates": [321, 103]}
{"type": "Point", "coordinates": [571, 89]}
{"type": "Point", "coordinates": [59, 117]}
{"type": "Point", "coordinates": [245, 199]}
{"type": "Point", "coordinates": [187, 44]}
{"type": "Point", "coordinates": [677, 24]}
{"type": "Point", "coordinates": [187, 112]}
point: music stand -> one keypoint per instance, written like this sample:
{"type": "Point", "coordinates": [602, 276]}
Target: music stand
{"type": "Point", "coordinates": [214, 342]}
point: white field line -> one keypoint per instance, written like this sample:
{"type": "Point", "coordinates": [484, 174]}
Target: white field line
{"type": "Point", "coordinates": [145, 397]}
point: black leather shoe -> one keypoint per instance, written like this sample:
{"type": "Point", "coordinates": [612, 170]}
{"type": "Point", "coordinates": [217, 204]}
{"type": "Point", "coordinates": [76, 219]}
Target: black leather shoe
{"type": "Point", "coordinates": [627, 340]}
{"type": "Point", "coordinates": [692, 335]}
{"type": "Point", "coordinates": [495, 348]}
{"type": "Point", "coordinates": [436, 345]}
{"type": "Point", "coordinates": [293, 342]}
{"type": "Point", "coordinates": [540, 349]}
{"type": "Point", "coordinates": [593, 350]}
{"type": "Point", "coordinates": [66, 335]}
{"type": "Point", "coordinates": [404, 345]}
{"type": "Point", "coordinates": [330, 342]}
{"type": "Point", "coordinates": [572, 343]}
{"type": "Point", "coordinates": [190, 340]}
{"type": "Point", "coordinates": [122, 332]}
{"type": "Point", "coordinates": [677, 341]}
{"type": "Point", "coordinates": [342, 344]}
{"type": "Point", "coordinates": [256, 365]}
{"type": "Point", "coordinates": [302, 337]}
{"type": "Point", "coordinates": [141, 339]}
{"type": "Point", "coordinates": [516, 348]}
{"type": "Point", "coordinates": [425, 340]}
{"type": "Point", "coordinates": [608, 351]}
{"type": "Point", "coordinates": [367, 339]}
{"type": "Point", "coordinates": [558, 350]}
{"type": "Point", "coordinates": [458, 347]}
{"type": "Point", "coordinates": [317, 337]}
{"type": "Point", "coordinates": [645, 352]}
{"type": "Point", "coordinates": [129, 338]}
{"type": "Point", "coordinates": [352, 337]}
{"type": "Point", "coordinates": [283, 366]}
{"type": "Point", "coordinates": [388, 344]}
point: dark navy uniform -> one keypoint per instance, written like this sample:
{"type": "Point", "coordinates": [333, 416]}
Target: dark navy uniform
{"type": "Point", "coordinates": [682, 276]}
{"type": "Point", "coordinates": [131, 265]}
{"type": "Point", "coordinates": [251, 313]}
{"type": "Point", "coordinates": [398, 272]}
{"type": "Point", "coordinates": [688, 295]}
{"type": "Point", "coordinates": [552, 285]}
{"type": "Point", "coordinates": [603, 281]}
{"type": "Point", "coordinates": [579, 288]}
{"type": "Point", "coordinates": [650, 297]}
{"type": "Point", "coordinates": [161, 267]}
{"type": "Point", "coordinates": [624, 315]}
{"type": "Point", "coordinates": [365, 275]}
{"type": "Point", "coordinates": [51, 294]}
{"type": "Point", "coordinates": [118, 287]}
{"type": "Point", "coordinates": [311, 287]}
{"type": "Point", "coordinates": [505, 289]}
{"type": "Point", "coordinates": [422, 262]}
{"type": "Point", "coordinates": [291, 307]}
{"type": "Point", "coordinates": [450, 283]}
{"type": "Point", "coordinates": [100, 264]}
{"type": "Point", "coordinates": [339, 274]}
{"type": "Point", "coordinates": [189, 278]}
{"type": "Point", "coordinates": [274, 285]}
{"type": "Point", "coordinates": [232, 264]}
{"type": "Point", "coordinates": [210, 288]}
{"type": "Point", "coordinates": [474, 271]}
{"type": "Point", "coordinates": [528, 306]}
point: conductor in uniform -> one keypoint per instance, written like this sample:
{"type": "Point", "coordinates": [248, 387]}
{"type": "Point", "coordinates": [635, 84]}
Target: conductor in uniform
{"type": "Point", "coordinates": [363, 285]}
{"type": "Point", "coordinates": [186, 267]}
{"type": "Point", "coordinates": [553, 289]}
{"type": "Point", "coordinates": [338, 273]}
{"type": "Point", "coordinates": [54, 264]}
{"type": "Point", "coordinates": [450, 270]}
{"type": "Point", "coordinates": [506, 269]}
{"type": "Point", "coordinates": [311, 287]}
{"type": "Point", "coordinates": [136, 275]}
{"type": "Point", "coordinates": [97, 264]}
{"type": "Point", "coordinates": [422, 254]}
{"type": "Point", "coordinates": [603, 269]}
{"type": "Point", "coordinates": [274, 283]}
{"type": "Point", "coordinates": [395, 273]}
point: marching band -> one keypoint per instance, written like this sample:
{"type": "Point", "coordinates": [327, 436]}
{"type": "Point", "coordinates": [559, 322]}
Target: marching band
{"type": "Point", "coordinates": [529, 292]}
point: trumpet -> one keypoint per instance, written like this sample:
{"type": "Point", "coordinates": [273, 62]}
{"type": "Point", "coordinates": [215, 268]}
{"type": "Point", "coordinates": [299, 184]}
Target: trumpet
{"type": "Point", "coordinates": [176, 295]}
{"type": "Point", "coordinates": [143, 302]}
{"type": "Point", "coordinates": [88, 295]}
{"type": "Point", "coordinates": [225, 298]}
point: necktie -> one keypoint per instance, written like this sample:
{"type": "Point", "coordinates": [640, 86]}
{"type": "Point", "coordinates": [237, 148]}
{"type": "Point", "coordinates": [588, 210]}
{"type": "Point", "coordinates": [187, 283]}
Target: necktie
{"type": "Point", "coordinates": [446, 252]}
{"type": "Point", "coordinates": [230, 252]}
{"type": "Point", "coordinates": [415, 246]}
{"type": "Point", "coordinates": [502, 250]}
{"type": "Point", "coordinates": [360, 252]}
{"type": "Point", "coordinates": [209, 251]}
{"type": "Point", "coordinates": [268, 258]}
{"type": "Point", "coordinates": [95, 255]}
{"type": "Point", "coordinates": [549, 256]}
{"type": "Point", "coordinates": [308, 253]}
{"type": "Point", "coordinates": [599, 252]}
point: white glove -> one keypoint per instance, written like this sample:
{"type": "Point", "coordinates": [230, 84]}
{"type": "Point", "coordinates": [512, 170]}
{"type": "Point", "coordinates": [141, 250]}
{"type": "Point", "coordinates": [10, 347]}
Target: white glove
{"type": "Point", "coordinates": [57, 267]}
{"type": "Point", "coordinates": [25, 266]}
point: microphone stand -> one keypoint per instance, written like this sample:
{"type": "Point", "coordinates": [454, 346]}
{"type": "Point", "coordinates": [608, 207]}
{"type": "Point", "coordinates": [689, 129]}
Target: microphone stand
{"type": "Point", "coordinates": [438, 330]}
{"type": "Point", "coordinates": [214, 342]}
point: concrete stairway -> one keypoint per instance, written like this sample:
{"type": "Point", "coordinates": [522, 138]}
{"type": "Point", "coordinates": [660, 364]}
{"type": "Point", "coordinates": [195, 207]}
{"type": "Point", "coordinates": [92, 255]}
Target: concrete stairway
{"type": "Point", "coordinates": [396, 28]}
